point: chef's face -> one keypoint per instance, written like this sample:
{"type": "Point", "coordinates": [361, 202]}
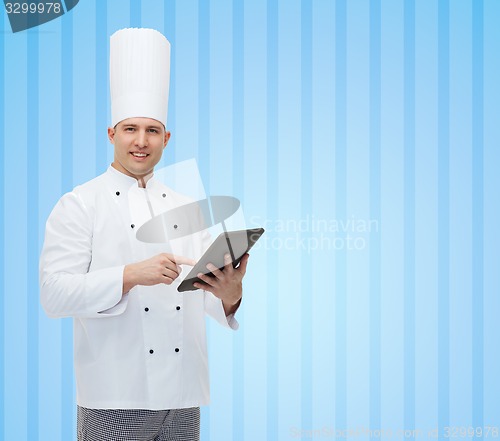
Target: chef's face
{"type": "Point", "coordinates": [139, 144]}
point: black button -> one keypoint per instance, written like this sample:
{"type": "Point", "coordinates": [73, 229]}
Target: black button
{"type": "Point", "coordinates": [178, 307]}
{"type": "Point", "coordinates": [176, 349]}
{"type": "Point", "coordinates": [118, 193]}
{"type": "Point", "coordinates": [132, 226]}
{"type": "Point", "coordinates": [151, 351]}
{"type": "Point", "coordinates": [146, 309]}
{"type": "Point", "coordinates": [175, 226]}
{"type": "Point", "coordinates": [164, 195]}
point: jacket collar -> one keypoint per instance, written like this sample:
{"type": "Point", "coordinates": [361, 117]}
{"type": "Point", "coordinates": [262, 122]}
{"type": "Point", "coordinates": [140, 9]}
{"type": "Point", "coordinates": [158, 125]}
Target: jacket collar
{"type": "Point", "coordinates": [125, 181]}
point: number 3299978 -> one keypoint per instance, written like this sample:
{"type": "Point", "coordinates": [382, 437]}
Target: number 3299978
{"type": "Point", "coordinates": [33, 8]}
{"type": "Point", "coordinates": [471, 432]}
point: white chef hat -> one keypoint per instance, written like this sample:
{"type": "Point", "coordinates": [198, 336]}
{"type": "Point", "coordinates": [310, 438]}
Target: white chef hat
{"type": "Point", "coordinates": [139, 75]}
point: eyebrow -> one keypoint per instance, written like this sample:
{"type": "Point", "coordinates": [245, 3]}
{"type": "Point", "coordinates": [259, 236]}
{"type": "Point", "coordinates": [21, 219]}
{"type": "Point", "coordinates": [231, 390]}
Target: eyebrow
{"type": "Point", "coordinates": [148, 127]}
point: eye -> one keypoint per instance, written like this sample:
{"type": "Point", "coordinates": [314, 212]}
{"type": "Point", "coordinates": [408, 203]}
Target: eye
{"type": "Point", "coordinates": [153, 130]}
{"type": "Point", "coordinates": [129, 129]}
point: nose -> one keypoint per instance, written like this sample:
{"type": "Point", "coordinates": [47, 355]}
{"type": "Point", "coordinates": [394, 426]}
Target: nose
{"type": "Point", "coordinates": [141, 139]}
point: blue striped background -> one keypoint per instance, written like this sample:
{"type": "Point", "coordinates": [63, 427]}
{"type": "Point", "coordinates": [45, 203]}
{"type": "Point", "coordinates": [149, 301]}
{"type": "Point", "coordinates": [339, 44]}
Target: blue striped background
{"type": "Point", "coordinates": [383, 111]}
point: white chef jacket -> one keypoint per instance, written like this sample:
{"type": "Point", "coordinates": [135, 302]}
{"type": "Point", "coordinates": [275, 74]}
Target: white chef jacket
{"type": "Point", "coordinates": [145, 349]}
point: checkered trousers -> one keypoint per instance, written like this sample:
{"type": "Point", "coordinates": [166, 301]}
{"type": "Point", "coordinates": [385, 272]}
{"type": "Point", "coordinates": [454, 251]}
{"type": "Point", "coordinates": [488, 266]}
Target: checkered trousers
{"type": "Point", "coordinates": [138, 424]}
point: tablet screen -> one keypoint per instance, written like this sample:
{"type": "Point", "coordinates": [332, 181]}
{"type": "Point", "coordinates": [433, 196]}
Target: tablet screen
{"type": "Point", "coordinates": [234, 243]}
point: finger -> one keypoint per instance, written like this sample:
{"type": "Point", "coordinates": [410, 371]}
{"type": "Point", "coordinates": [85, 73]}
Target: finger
{"type": "Point", "coordinates": [228, 263]}
{"type": "Point", "coordinates": [167, 280]}
{"type": "Point", "coordinates": [243, 264]}
{"type": "Point", "coordinates": [180, 260]}
{"type": "Point", "coordinates": [170, 268]}
{"type": "Point", "coordinates": [204, 286]}
{"type": "Point", "coordinates": [170, 264]}
{"type": "Point", "coordinates": [207, 279]}
{"type": "Point", "coordinates": [215, 271]}
{"type": "Point", "coordinates": [167, 272]}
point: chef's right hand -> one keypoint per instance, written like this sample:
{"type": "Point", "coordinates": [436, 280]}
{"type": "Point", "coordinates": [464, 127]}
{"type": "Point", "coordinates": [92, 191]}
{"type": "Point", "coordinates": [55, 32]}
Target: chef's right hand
{"type": "Point", "coordinates": [163, 268]}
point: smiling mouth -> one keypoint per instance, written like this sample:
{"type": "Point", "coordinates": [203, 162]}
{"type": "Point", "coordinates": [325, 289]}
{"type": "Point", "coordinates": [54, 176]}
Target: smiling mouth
{"type": "Point", "coordinates": [139, 155]}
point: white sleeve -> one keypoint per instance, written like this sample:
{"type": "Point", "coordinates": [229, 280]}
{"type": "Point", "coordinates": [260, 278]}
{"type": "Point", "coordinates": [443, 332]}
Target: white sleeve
{"type": "Point", "coordinates": [214, 308]}
{"type": "Point", "coordinates": [67, 288]}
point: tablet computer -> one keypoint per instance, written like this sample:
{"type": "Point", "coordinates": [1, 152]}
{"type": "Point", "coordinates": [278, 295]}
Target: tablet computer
{"type": "Point", "coordinates": [234, 243]}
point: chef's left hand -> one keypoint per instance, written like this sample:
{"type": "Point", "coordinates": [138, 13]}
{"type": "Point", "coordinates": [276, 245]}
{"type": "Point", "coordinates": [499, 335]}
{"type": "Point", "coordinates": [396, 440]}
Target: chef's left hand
{"type": "Point", "coordinates": [225, 284]}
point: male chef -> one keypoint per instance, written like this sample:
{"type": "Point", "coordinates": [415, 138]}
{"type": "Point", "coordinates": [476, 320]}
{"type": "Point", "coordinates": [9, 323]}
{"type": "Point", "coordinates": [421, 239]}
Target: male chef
{"type": "Point", "coordinates": [139, 345]}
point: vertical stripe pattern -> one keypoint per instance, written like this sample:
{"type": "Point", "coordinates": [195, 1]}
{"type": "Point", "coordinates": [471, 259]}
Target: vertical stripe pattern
{"type": "Point", "coordinates": [409, 214]}
{"type": "Point", "coordinates": [32, 234]}
{"type": "Point", "coordinates": [169, 19]}
{"type": "Point", "coordinates": [443, 218]}
{"type": "Point", "coordinates": [340, 213]}
{"type": "Point", "coordinates": [272, 306]}
{"type": "Point", "coordinates": [362, 144]}
{"type": "Point", "coordinates": [2, 240]}
{"type": "Point", "coordinates": [306, 209]}
{"type": "Point", "coordinates": [101, 82]}
{"type": "Point", "coordinates": [477, 214]}
{"type": "Point", "coordinates": [375, 386]}
{"type": "Point", "coordinates": [67, 388]}
{"type": "Point", "coordinates": [204, 129]}
{"type": "Point", "coordinates": [238, 168]}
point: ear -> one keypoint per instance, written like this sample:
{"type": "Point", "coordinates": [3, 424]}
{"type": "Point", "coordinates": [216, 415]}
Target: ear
{"type": "Point", "coordinates": [111, 135]}
{"type": "Point", "coordinates": [166, 139]}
